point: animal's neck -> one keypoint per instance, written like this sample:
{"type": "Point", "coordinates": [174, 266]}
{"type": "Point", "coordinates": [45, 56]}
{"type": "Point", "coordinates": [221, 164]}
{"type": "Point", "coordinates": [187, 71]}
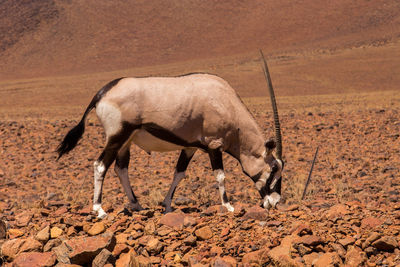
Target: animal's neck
{"type": "Point", "coordinates": [250, 148]}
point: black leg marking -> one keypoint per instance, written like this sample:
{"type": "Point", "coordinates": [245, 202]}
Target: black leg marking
{"type": "Point", "coordinates": [121, 169]}
{"type": "Point", "coordinates": [183, 162]}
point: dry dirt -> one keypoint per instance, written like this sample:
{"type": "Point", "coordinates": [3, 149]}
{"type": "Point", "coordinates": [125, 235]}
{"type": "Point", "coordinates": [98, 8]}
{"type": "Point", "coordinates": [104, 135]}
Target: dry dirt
{"type": "Point", "coordinates": [337, 88]}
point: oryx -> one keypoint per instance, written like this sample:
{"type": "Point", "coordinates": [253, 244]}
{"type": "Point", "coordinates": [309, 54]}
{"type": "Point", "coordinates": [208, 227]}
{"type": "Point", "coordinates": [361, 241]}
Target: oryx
{"type": "Point", "coordinates": [187, 113]}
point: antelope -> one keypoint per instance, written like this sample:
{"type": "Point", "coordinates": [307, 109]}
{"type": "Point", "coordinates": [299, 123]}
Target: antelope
{"type": "Point", "coordinates": [187, 113]}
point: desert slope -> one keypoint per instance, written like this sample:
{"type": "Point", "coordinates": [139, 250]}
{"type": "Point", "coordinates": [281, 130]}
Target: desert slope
{"type": "Point", "coordinates": [45, 38]}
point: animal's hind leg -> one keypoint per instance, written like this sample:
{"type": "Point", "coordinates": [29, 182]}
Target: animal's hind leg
{"type": "Point", "coordinates": [121, 169]}
{"type": "Point", "coordinates": [102, 164]}
{"type": "Point", "coordinates": [218, 168]}
{"type": "Point", "coordinates": [183, 162]}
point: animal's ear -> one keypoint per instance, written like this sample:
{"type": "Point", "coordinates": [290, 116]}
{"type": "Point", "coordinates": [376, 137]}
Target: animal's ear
{"type": "Point", "coordinates": [270, 146]}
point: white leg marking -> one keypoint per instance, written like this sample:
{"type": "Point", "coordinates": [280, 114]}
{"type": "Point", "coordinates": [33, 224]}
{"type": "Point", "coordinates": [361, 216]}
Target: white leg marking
{"type": "Point", "coordinates": [220, 175]}
{"type": "Point", "coordinates": [99, 170]}
{"type": "Point", "coordinates": [271, 200]}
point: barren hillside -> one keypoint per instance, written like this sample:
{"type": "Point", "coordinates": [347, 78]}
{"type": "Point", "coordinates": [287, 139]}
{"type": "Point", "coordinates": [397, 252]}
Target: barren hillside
{"type": "Point", "coordinates": [44, 38]}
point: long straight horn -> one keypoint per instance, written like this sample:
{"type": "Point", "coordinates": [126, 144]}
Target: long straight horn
{"type": "Point", "coordinates": [278, 134]}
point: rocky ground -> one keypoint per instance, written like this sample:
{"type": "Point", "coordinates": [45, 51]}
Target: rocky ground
{"type": "Point", "coordinates": [351, 214]}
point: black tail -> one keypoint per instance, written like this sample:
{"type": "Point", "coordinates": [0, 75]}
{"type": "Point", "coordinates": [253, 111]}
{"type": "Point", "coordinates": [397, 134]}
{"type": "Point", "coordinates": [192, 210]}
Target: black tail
{"type": "Point", "coordinates": [75, 134]}
{"type": "Point", "coordinates": [71, 139]}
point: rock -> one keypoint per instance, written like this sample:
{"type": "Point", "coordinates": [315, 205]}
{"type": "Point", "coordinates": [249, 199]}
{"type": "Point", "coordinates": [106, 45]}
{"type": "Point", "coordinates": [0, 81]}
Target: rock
{"type": "Point", "coordinates": [256, 213]}
{"type": "Point", "coordinates": [309, 259]}
{"type": "Point", "coordinates": [55, 232]}
{"type": "Point", "coordinates": [154, 246]}
{"type": "Point", "coordinates": [119, 249]}
{"type": "Point", "coordinates": [339, 249]}
{"type": "Point", "coordinates": [126, 259]}
{"type": "Point", "coordinates": [190, 240]}
{"type": "Point", "coordinates": [189, 221]}
{"type": "Point", "coordinates": [224, 262]}
{"type": "Point", "coordinates": [355, 256]}
{"type": "Point", "coordinates": [174, 220]}
{"type": "Point", "coordinates": [3, 229]}
{"type": "Point", "coordinates": [301, 229]}
{"type": "Point", "coordinates": [347, 241]}
{"type": "Point", "coordinates": [204, 233]}
{"type": "Point", "coordinates": [96, 229]}
{"type": "Point", "coordinates": [14, 233]}
{"type": "Point", "coordinates": [51, 244]}
{"type": "Point", "coordinates": [61, 252]}
{"type": "Point", "coordinates": [102, 258]}
{"type": "Point", "coordinates": [150, 228]}
{"type": "Point", "coordinates": [23, 219]}
{"type": "Point", "coordinates": [328, 259]}
{"type": "Point", "coordinates": [338, 210]}
{"type": "Point", "coordinates": [11, 248]}
{"type": "Point", "coordinates": [141, 261]}
{"type": "Point", "coordinates": [280, 255]}
{"type": "Point", "coordinates": [31, 244]}
{"type": "Point", "coordinates": [82, 250]}
{"type": "Point", "coordinates": [371, 238]}
{"type": "Point", "coordinates": [310, 240]}
{"type": "Point", "coordinates": [35, 259]}
{"type": "Point", "coordinates": [258, 257]}
{"type": "Point", "coordinates": [386, 243]}
{"type": "Point", "coordinates": [371, 222]}
{"type": "Point", "coordinates": [44, 234]}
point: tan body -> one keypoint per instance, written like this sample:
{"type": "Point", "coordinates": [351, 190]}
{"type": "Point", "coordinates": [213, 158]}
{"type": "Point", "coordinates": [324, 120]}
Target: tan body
{"type": "Point", "coordinates": [197, 108]}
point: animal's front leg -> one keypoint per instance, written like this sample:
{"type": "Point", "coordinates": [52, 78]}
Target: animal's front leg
{"type": "Point", "coordinates": [217, 166]}
{"type": "Point", "coordinates": [180, 169]}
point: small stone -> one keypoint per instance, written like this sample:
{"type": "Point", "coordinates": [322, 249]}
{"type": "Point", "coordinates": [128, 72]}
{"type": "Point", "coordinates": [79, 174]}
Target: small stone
{"type": "Point", "coordinates": [371, 238]}
{"type": "Point", "coordinates": [355, 256]}
{"type": "Point", "coordinates": [347, 241]}
{"type": "Point", "coordinates": [204, 233]}
{"type": "Point", "coordinates": [29, 259]}
{"type": "Point", "coordinates": [3, 229]}
{"type": "Point", "coordinates": [126, 259]}
{"type": "Point", "coordinates": [23, 220]}
{"type": "Point", "coordinates": [259, 257]}
{"type": "Point", "coordinates": [51, 244]}
{"type": "Point", "coordinates": [328, 259]}
{"type": "Point", "coordinates": [141, 261]}
{"type": "Point", "coordinates": [371, 222]}
{"type": "Point", "coordinates": [310, 240]}
{"type": "Point", "coordinates": [96, 229]}
{"type": "Point", "coordinates": [174, 220]}
{"type": "Point", "coordinates": [154, 246]}
{"type": "Point", "coordinates": [280, 255]}
{"type": "Point", "coordinates": [190, 240]}
{"type": "Point", "coordinates": [150, 228]}
{"type": "Point", "coordinates": [55, 232]}
{"type": "Point", "coordinates": [256, 213]}
{"type": "Point", "coordinates": [386, 243]}
{"type": "Point", "coordinates": [11, 248]}
{"type": "Point", "coordinates": [102, 258]}
{"type": "Point", "coordinates": [31, 244]}
{"type": "Point", "coordinates": [14, 233]}
{"type": "Point", "coordinates": [44, 234]}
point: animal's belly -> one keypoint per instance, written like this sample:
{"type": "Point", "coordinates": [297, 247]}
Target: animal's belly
{"type": "Point", "coordinates": [149, 143]}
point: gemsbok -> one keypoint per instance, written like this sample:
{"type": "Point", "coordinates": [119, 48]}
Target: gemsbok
{"type": "Point", "coordinates": [187, 113]}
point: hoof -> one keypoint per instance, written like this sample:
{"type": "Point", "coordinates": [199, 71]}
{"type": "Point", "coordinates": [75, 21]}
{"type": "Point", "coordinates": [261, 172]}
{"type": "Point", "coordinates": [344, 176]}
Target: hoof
{"type": "Point", "coordinates": [132, 207]}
